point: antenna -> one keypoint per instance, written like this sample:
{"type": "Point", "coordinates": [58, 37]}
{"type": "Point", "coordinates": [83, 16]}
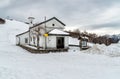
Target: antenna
{"type": "Point", "coordinates": [45, 23]}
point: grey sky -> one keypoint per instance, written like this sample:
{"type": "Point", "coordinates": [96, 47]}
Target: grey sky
{"type": "Point", "coordinates": [86, 14]}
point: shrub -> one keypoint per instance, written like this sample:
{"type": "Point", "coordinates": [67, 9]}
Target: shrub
{"type": "Point", "coordinates": [2, 21]}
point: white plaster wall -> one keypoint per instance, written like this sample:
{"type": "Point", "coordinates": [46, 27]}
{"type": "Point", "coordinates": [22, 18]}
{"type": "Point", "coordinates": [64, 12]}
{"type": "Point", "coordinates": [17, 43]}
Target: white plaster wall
{"type": "Point", "coordinates": [66, 41]}
{"type": "Point", "coordinates": [49, 26]}
{"type": "Point", "coordinates": [17, 40]}
{"type": "Point", "coordinates": [32, 41]}
{"type": "Point", "coordinates": [21, 38]}
{"type": "Point", "coordinates": [57, 24]}
{"type": "Point", "coordinates": [42, 41]}
{"type": "Point", "coordinates": [32, 33]}
{"type": "Point", "coordinates": [51, 41]}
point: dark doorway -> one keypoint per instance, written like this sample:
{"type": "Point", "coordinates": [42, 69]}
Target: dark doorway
{"type": "Point", "coordinates": [60, 42]}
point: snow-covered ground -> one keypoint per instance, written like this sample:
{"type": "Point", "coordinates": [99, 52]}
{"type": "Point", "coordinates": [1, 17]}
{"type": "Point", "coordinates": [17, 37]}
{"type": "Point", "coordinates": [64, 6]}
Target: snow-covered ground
{"type": "Point", "coordinates": [112, 50]}
{"type": "Point", "coordinates": [17, 63]}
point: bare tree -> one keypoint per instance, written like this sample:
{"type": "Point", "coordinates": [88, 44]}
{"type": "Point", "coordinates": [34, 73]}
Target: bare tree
{"type": "Point", "coordinates": [38, 33]}
{"type": "Point", "coordinates": [76, 31]}
{"type": "Point", "coordinates": [2, 21]}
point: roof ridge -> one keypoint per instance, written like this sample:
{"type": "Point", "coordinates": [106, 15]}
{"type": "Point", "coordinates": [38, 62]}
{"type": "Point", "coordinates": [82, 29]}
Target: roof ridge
{"type": "Point", "coordinates": [47, 21]}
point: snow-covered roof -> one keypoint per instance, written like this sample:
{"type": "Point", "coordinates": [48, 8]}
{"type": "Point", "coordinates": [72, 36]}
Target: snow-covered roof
{"type": "Point", "coordinates": [56, 31]}
{"type": "Point", "coordinates": [86, 37]}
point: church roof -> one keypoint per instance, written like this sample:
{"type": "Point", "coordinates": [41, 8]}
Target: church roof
{"type": "Point", "coordinates": [47, 21]}
{"type": "Point", "coordinates": [58, 32]}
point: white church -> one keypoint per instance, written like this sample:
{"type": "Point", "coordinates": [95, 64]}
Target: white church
{"type": "Point", "coordinates": [47, 35]}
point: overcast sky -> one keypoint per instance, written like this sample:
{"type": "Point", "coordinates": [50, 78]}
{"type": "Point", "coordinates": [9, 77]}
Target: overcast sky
{"type": "Point", "coordinates": [101, 16]}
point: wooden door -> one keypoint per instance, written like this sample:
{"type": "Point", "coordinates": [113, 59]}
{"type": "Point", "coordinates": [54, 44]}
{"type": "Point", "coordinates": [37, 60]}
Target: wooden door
{"type": "Point", "coordinates": [60, 42]}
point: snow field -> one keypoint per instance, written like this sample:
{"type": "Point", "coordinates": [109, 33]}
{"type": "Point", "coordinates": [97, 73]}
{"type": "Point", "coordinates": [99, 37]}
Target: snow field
{"type": "Point", "coordinates": [17, 63]}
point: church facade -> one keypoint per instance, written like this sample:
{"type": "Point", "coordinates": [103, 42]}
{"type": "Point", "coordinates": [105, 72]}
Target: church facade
{"type": "Point", "coordinates": [47, 35]}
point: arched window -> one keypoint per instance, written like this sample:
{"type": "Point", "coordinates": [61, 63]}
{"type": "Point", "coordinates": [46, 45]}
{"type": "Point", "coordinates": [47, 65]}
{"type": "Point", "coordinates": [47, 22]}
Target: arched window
{"type": "Point", "coordinates": [33, 39]}
{"type": "Point", "coordinates": [26, 40]}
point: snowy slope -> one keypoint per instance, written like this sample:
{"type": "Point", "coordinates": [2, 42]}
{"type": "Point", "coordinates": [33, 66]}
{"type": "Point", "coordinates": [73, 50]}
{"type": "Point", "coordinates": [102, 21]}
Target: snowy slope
{"type": "Point", "coordinates": [10, 29]}
{"type": "Point", "coordinates": [16, 63]}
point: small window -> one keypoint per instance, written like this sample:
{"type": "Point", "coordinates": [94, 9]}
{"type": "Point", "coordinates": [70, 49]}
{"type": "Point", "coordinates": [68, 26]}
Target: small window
{"type": "Point", "coordinates": [30, 38]}
{"type": "Point", "coordinates": [26, 40]}
{"type": "Point", "coordinates": [84, 43]}
{"type": "Point", "coordinates": [34, 40]}
{"type": "Point", "coordinates": [53, 24]}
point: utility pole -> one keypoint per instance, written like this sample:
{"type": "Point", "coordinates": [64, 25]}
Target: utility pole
{"type": "Point", "coordinates": [45, 33]}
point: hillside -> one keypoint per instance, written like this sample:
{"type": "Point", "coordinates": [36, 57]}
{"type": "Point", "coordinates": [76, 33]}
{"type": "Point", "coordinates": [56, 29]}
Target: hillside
{"type": "Point", "coordinates": [17, 63]}
{"type": "Point", "coordinates": [9, 30]}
